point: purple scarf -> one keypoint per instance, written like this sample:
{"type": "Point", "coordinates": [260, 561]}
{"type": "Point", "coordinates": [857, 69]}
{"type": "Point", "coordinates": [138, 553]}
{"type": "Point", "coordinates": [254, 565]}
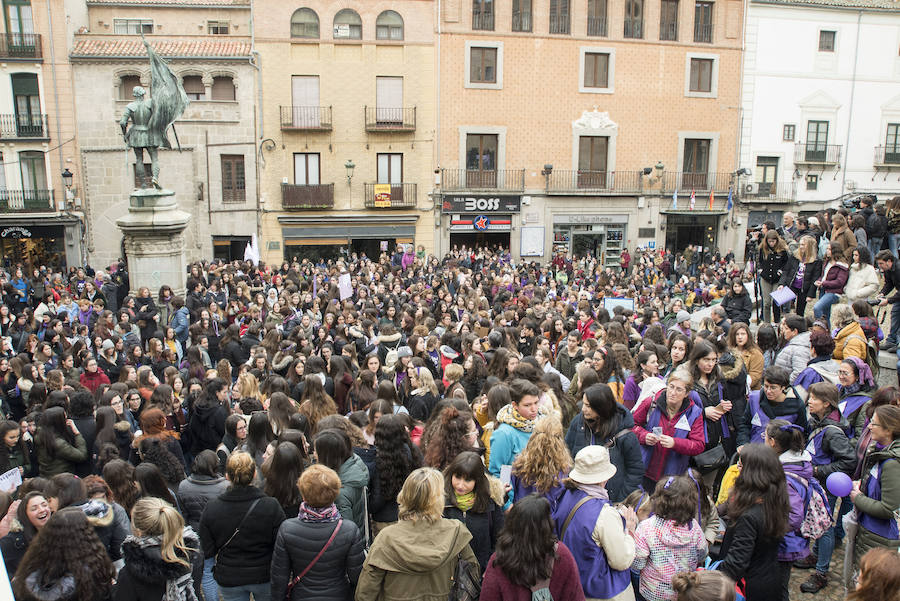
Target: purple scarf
{"type": "Point", "coordinates": [318, 514]}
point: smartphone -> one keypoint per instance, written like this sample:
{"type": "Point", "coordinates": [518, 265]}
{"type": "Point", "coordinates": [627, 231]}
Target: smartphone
{"type": "Point", "coordinates": [505, 474]}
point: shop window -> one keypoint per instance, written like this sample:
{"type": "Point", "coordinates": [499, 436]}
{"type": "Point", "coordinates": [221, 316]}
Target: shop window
{"type": "Point", "coordinates": [389, 26]}
{"type": "Point", "coordinates": [234, 184]}
{"type": "Point", "coordinates": [305, 24]}
{"type": "Point", "coordinates": [347, 25]}
{"type": "Point", "coordinates": [223, 88]}
{"type": "Point", "coordinates": [194, 88]}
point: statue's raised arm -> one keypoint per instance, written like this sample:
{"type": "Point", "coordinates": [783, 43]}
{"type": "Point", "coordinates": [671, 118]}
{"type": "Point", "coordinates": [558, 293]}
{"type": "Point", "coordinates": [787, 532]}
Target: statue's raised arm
{"type": "Point", "coordinates": [151, 118]}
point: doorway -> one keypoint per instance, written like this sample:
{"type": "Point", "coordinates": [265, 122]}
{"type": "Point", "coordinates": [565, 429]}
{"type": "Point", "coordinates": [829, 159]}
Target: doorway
{"type": "Point", "coordinates": [699, 230]}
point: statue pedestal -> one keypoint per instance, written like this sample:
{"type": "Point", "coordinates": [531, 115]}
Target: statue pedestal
{"type": "Point", "coordinates": [154, 241]}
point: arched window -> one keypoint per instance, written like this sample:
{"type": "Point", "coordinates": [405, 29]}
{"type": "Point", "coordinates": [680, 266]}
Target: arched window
{"type": "Point", "coordinates": [305, 24]}
{"type": "Point", "coordinates": [127, 83]}
{"type": "Point", "coordinates": [389, 26]}
{"type": "Point", "coordinates": [223, 88]}
{"type": "Point", "coordinates": [347, 25]}
{"type": "Point", "coordinates": [194, 88]}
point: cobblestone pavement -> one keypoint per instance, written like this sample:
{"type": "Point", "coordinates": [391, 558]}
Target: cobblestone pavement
{"type": "Point", "coordinates": [833, 592]}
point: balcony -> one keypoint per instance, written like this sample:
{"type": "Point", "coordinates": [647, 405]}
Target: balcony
{"type": "Point", "coordinates": [509, 180]}
{"type": "Point", "coordinates": [668, 31]}
{"type": "Point", "coordinates": [769, 192]}
{"type": "Point", "coordinates": [27, 201]}
{"type": "Point", "coordinates": [813, 153]}
{"type": "Point", "coordinates": [23, 126]}
{"type": "Point", "coordinates": [402, 196]}
{"type": "Point", "coordinates": [594, 182]}
{"type": "Point", "coordinates": [887, 156]}
{"type": "Point", "coordinates": [596, 26]}
{"type": "Point", "coordinates": [521, 20]}
{"type": "Point", "coordinates": [685, 183]}
{"type": "Point", "coordinates": [300, 197]}
{"type": "Point", "coordinates": [20, 45]}
{"type": "Point", "coordinates": [306, 118]}
{"type": "Point", "coordinates": [390, 119]}
{"type": "Point", "coordinates": [483, 20]}
{"type": "Point", "coordinates": [703, 33]}
{"type": "Point", "coordinates": [559, 24]}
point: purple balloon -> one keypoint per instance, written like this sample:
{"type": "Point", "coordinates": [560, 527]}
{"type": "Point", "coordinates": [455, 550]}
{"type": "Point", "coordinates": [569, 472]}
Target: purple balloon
{"type": "Point", "coordinates": [839, 484]}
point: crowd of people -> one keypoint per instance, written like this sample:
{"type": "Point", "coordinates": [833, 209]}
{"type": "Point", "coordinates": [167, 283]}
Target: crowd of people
{"type": "Point", "coordinates": [458, 426]}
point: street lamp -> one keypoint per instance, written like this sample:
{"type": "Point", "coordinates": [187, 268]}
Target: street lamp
{"type": "Point", "coordinates": [349, 166]}
{"type": "Point", "coordinates": [68, 176]}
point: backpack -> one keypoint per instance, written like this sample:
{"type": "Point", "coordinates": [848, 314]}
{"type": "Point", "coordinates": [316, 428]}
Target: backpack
{"type": "Point", "coordinates": [816, 512]}
{"type": "Point", "coordinates": [871, 355]}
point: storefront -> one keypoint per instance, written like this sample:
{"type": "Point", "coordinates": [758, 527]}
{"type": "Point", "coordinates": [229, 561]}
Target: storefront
{"type": "Point", "coordinates": [318, 238]}
{"type": "Point", "coordinates": [699, 229]}
{"type": "Point", "coordinates": [55, 244]}
{"type": "Point", "coordinates": [480, 220]}
{"type": "Point", "coordinates": [230, 248]}
{"type": "Point", "coordinates": [599, 236]}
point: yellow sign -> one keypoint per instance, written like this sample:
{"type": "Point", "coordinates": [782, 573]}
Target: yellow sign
{"type": "Point", "coordinates": [383, 196]}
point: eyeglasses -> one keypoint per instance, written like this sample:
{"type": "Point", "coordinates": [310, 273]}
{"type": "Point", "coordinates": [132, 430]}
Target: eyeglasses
{"type": "Point", "coordinates": [874, 424]}
{"type": "Point", "coordinates": [842, 372]}
{"type": "Point", "coordinates": [674, 388]}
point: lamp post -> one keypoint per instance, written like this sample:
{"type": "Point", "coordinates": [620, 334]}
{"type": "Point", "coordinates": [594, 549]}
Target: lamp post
{"type": "Point", "coordinates": [349, 166]}
{"type": "Point", "coordinates": [546, 171]}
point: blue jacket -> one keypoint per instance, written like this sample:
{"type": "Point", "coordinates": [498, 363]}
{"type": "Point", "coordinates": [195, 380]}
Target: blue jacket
{"type": "Point", "coordinates": [506, 444]}
{"type": "Point", "coordinates": [180, 323]}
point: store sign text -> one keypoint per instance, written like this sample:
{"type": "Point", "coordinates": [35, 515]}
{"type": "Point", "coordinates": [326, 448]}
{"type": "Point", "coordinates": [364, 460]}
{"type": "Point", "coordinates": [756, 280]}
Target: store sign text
{"type": "Point", "coordinates": [15, 232]}
{"type": "Point", "coordinates": [481, 204]}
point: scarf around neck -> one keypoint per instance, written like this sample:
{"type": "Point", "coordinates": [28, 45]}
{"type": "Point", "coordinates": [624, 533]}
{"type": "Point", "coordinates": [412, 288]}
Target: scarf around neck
{"type": "Point", "coordinates": [510, 415]}
{"type": "Point", "coordinates": [318, 514]}
{"type": "Point", "coordinates": [465, 502]}
{"type": "Point", "coordinates": [595, 491]}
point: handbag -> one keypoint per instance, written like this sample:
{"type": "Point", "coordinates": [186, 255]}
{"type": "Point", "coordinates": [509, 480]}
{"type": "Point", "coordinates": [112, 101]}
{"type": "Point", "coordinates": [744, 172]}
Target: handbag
{"type": "Point", "coordinates": [236, 530]}
{"type": "Point", "coordinates": [465, 584]}
{"type": "Point", "coordinates": [711, 460]}
{"type": "Point", "coordinates": [297, 579]}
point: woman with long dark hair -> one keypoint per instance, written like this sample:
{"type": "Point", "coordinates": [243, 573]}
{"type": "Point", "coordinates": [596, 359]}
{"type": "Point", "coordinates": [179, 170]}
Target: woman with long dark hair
{"type": "Point", "coordinates": [259, 435]}
{"type": "Point", "coordinates": [152, 483]}
{"type": "Point", "coordinates": [315, 402]}
{"type": "Point", "coordinates": [13, 452]}
{"type": "Point", "coordinates": [454, 433]}
{"type": "Point", "coordinates": [528, 557]}
{"type": "Point", "coordinates": [757, 513]}
{"type": "Point", "coordinates": [469, 500]}
{"type": "Point", "coordinates": [60, 446]}
{"type": "Point", "coordinates": [334, 450]}
{"type": "Point", "coordinates": [395, 458]}
{"type": "Point", "coordinates": [32, 512]}
{"type": "Point", "coordinates": [281, 472]}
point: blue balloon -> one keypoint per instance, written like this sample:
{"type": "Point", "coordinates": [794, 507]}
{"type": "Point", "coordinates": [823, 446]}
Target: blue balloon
{"type": "Point", "coordinates": [839, 484]}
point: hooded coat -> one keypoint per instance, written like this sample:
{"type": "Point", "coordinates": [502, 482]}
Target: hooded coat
{"type": "Point", "coordinates": [414, 561]}
{"type": "Point", "coordinates": [146, 574]}
{"type": "Point", "coordinates": [110, 522]}
{"type": "Point", "coordinates": [350, 502]}
{"type": "Point", "coordinates": [795, 355]}
{"type": "Point", "coordinates": [194, 492]}
{"type": "Point", "coordinates": [207, 426]}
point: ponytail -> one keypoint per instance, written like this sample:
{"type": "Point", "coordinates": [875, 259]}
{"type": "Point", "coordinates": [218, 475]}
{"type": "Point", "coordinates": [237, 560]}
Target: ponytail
{"type": "Point", "coordinates": [154, 517]}
{"type": "Point", "coordinates": [707, 585]}
{"type": "Point", "coordinates": [787, 436]}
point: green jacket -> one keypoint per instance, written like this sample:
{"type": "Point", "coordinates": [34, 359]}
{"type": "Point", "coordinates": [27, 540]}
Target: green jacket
{"type": "Point", "coordinates": [414, 561]}
{"type": "Point", "coordinates": [64, 456]}
{"type": "Point", "coordinates": [17, 458]}
{"type": "Point", "coordinates": [890, 497]}
{"type": "Point", "coordinates": [350, 502]}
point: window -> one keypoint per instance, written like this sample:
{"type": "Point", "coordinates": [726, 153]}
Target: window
{"type": "Point", "coordinates": [217, 27]}
{"type": "Point", "coordinates": [597, 18]}
{"type": "Point", "coordinates": [27, 100]}
{"type": "Point", "coordinates": [389, 26]}
{"type": "Point", "coordinates": [812, 182]}
{"type": "Point", "coordinates": [481, 160]}
{"type": "Point", "coordinates": [634, 19]}
{"type": "Point", "coordinates": [483, 15]}
{"type": "Point", "coordinates": [128, 26]}
{"type": "Point", "coordinates": [701, 75]}
{"type": "Point", "coordinates": [703, 24]}
{"type": "Point", "coordinates": [193, 87]}
{"type": "Point", "coordinates": [483, 65]}
{"type": "Point", "coordinates": [668, 20]}
{"type": "Point", "coordinates": [521, 15]}
{"type": "Point", "coordinates": [789, 132]}
{"type": "Point", "coordinates": [223, 88]}
{"type": "Point", "coordinates": [559, 16]}
{"type": "Point", "coordinates": [19, 20]}
{"type": "Point", "coordinates": [389, 100]}
{"type": "Point", "coordinates": [592, 155]}
{"type": "Point", "coordinates": [390, 168]}
{"type": "Point", "coordinates": [305, 101]}
{"type": "Point", "coordinates": [596, 70]}
{"type": "Point", "coordinates": [696, 164]}
{"type": "Point", "coordinates": [347, 25]}
{"type": "Point", "coordinates": [306, 169]}
{"type": "Point", "coordinates": [127, 83]}
{"type": "Point", "coordinates": [816, 141]}
{"type": "Point", "coordinates": [305, 24]}
{"type": "Point", "coordinates": [766, 174]}
{"type": "Point", "coordinates": [826, 40]}
{"type": "Point", "coordinates": [34, 172]}
{"type": "Point", "coordinates": [234, 186]}
{"type": "Point", "coordinates": [892, 144]}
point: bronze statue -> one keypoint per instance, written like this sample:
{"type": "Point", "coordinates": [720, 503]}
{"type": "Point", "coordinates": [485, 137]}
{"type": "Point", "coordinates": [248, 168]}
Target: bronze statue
{"type": "Point", "coordinates": [151, 117]}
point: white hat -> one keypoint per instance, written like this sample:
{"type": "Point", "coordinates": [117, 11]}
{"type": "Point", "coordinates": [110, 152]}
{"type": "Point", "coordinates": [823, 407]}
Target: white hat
{"type": "Point", "coordinates": [592, 465]}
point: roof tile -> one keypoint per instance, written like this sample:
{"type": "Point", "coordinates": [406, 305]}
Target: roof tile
{"type": "Point", "coordinates": [217, 48]}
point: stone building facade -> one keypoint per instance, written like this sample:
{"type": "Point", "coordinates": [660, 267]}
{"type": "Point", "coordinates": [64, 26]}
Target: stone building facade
{"type": "Point", "coordinates": [214, 175]}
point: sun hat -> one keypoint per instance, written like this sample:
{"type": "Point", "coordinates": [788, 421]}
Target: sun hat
{"type": "Point", "coordinates": [592, 465]}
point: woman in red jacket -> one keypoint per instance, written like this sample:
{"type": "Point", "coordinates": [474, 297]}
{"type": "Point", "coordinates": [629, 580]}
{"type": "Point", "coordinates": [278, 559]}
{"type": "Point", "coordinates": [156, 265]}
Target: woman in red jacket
{"type": "Point", "coordinates": [93, 377]}
{"type": "Point", "coordinates": [529, 558]}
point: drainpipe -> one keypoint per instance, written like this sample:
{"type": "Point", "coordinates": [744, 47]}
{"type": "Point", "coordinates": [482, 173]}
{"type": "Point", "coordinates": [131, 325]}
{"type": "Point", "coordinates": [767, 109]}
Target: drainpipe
{"type": "Point", "coordinates": [437, 136]}
{"type": "Point", "coordinates": [255, 62]}
{"type": "Point", "coordinates": [852, 95]}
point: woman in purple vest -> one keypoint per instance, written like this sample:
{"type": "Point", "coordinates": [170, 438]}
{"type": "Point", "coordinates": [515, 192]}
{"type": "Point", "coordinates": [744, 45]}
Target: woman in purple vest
{"type": "Point", "coordinates": [831, 452]}
{"type": "Point", "coordinates": [821, 366]}
{"type": "Point", "coordinates": [777, 399]}
{"type": "Point", "coordinates": [789, 441]}
{"type": "Point", "coordinates": [599, 536]}
{"type": "Point", "coordinates": [856, 385]}
{"type": "Point", "coordinates": [757, 516]}
{"type": "Point", "coordinates": [877, 496]}
{"type": "Point", "coordinates": [541, 467]}
{"type": "Point", "coordinates": [670, 429]}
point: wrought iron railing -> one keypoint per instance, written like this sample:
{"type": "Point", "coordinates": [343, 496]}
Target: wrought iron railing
{"type": "Point", "coordinates": [596, 26]}
{"type": "Point", "coordinates": [316, 118]}
{"type": "Point", "coordinates": [483, 20]}
{"type": "Point", "coordinates": [27, 201]}
{"type": "Point", "coordinates": [23, 125]}
{"type": "Point", "coordinates": [512, 180]}
{"type": "Point", "coordinates": [390, 119]}
{"type": "Point", "coordinates": [703, 33]}
{"type": "Point", "coordinates": [316, 196]}
{"type": "Point", "coordinates": [584, 181]}
{"type": "Point", "coordinates": [686, 182]}
{"type": "Point", "coordinates": [400, 196]}
{"type": "Point", "coordinates": [521, 20]}
{"type": "Point", "coordinates": [20, 45]}
{"type": "Point", "coordinates": [815, 152]}
{"type": "Point", "coordinates": [769, 191]}
{"type": "Point", "coordinates": [887, 155]}
{"type": "Point", "coordinates": [559, 24]}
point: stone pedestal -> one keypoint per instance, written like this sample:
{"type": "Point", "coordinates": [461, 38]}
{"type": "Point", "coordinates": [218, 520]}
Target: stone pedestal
{"type": "Point", "coordinates": [154, 241]}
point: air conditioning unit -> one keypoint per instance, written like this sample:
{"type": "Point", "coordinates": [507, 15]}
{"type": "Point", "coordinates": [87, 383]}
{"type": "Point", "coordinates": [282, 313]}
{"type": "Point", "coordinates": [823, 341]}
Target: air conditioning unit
{"type": "Point", "coordinates": [752, 188]}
